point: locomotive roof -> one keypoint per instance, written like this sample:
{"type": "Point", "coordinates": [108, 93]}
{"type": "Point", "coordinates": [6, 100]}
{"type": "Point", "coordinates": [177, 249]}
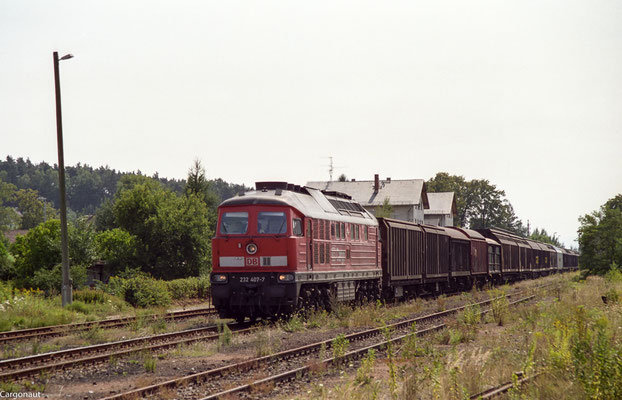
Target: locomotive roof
{"type": "Point", "coordinates": [311, 202]}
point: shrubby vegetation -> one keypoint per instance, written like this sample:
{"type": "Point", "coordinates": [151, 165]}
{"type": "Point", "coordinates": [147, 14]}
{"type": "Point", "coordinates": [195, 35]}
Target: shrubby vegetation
{"type": "Point", "coordinates": [600, 237]}
{"type": "Point", "coordinates": [28, 308]}
{"type": "Point", "coordinates": [162, 228]}
{"type": "Point", "coordinates": [140, 290]}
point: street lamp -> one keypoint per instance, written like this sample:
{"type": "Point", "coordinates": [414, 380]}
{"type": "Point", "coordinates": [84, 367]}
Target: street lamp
{"type": "Point", "coordinates": [66, 287]}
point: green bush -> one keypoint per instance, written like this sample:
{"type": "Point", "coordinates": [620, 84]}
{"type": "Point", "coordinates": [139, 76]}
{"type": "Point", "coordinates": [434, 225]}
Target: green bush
{"type": "Point", "coordinates": [79, 307]}
{"type": "Point", "coordinates": [140, 291]}
{"type": "Point", "coordinates": [156, 292]}
{"type": "Point", "coordinates": [614, 274]}
{"type": "Point", "coordinates": [189, 288]}
{"type": "Point", "coordinates": [50, 280]}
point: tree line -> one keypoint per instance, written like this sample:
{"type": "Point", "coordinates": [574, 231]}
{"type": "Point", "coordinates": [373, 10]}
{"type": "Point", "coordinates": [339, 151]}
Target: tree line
{"type": "Point", "coordinates": [600, 237]}
{"type": "Point", "coordinates": [480, 204]}
{"type": "Point", "coordinates": [87, 187]}
{"type": "Point", "coordinates": [146, 225]}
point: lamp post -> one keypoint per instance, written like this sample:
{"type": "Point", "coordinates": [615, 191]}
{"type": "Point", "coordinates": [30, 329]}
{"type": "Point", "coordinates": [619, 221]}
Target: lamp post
{"type": "Point", "coordinates": [66, 287]}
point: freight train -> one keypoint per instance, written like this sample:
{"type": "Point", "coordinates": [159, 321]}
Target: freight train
{"type": "Point", "coordinates": [283, 247]}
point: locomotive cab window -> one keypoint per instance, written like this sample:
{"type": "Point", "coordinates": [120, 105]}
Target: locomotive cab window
{"type": "Point", "coordinates": [297, 227]}
{"type": "Point", "coordinates": [271, 222]}
{"type": "Point", "coordinates": [234, 223]}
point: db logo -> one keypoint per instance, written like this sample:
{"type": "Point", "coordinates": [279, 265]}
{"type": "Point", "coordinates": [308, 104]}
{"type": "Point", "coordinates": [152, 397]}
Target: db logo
{"type": "Point", "coordinates": [252, 261]}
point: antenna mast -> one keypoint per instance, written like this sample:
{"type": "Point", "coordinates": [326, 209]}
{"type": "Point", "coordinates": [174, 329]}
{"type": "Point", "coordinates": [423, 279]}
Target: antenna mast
{"type": "Point", "coordinates": [330, 169]}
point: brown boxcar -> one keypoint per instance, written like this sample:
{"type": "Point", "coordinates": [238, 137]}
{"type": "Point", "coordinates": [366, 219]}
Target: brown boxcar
{"type": "Point", "coordinates": [459, 254]}
{"type": "Point", "coordinates": [510, 254]}
{"type": "Point", "coordinates": [479, 265]}
{"type": "Point", "coordinates": [523, 248]}
{"type": "Point", "coordinates": [493, 261]}
{"type": "Point", "coordinates": [403, 256]}
{"type": "Point", "coordinates": [436, 254]}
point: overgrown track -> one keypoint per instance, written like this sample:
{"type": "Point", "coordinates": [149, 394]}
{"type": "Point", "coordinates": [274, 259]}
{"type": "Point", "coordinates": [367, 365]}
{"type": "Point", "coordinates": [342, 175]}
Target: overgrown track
{"type": "Point", "coordinates": [290, 364]}
{"type": "Point", "coordinates": [19, 368]}
{"type": "Point", "coordinates": [505, 387]}
{"type": "Point", "coordinates": [64, 330]}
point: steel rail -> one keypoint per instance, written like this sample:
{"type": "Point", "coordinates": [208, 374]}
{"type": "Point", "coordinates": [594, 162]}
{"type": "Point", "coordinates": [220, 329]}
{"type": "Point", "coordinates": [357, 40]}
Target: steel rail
{"type": "Point", "coordinates": [300, 351]}
{"type": "Point", "coordinates": [63, 330]}
{"type": "Point", "coordinates": [504, 387]}
{"type": "Point", "coordinates": [14, 368]}
{"type": "Point", "coordinates": [352, 355]}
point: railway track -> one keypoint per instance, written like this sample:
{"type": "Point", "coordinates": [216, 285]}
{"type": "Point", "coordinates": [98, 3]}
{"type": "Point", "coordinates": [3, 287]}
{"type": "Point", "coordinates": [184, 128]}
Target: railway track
{"type": "Point", "coordinates": [32, 366]}
{"type": "Point", "coordinates": [505, 387]}
{"type": "Point", "coordinates": [64, 330]}
{"type": "Point", "coordinates": [24, 367]}
{"type": "Point", "coordinates": [292, 364]}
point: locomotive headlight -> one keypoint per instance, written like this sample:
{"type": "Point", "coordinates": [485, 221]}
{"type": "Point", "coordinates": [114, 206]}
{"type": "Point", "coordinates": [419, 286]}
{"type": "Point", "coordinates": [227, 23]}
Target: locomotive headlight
{"type": "Point", "coordinates": [251, 248]}
{"type": "Point", "coordinates": [286, 278]}
{"type": "Point", "coordinates": [219, 278]}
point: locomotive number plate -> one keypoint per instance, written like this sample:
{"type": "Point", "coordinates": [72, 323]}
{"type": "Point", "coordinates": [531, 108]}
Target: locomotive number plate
{"type": "Point", "coordinates": [251, 261]}
{"type": "Point", "coordinates": [252, 279]}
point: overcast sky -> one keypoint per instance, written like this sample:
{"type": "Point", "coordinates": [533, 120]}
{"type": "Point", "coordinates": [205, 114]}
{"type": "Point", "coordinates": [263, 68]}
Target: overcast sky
{"type": "Point", "coordinates": [526, 94]}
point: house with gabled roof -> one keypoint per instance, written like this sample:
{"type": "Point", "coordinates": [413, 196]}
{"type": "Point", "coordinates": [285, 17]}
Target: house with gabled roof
{"type": "Point", "coordinates": [442, 209]}
{"type": "Point", "coordinates": [408, 197]}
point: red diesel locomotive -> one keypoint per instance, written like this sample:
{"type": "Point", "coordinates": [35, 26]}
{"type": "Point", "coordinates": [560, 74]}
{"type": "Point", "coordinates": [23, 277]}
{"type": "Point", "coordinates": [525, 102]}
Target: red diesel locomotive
{"type": "Point", "coordinates": [283, 247]}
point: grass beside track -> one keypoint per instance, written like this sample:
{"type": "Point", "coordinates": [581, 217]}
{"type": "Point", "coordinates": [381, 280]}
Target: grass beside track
{"type": "Point", "coordinates": [571, 339]}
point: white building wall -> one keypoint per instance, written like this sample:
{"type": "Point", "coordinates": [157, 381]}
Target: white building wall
{"type": "Point", "coordinates": [411, 213]}
{"type": "Point", "coordinates": [439, 219]}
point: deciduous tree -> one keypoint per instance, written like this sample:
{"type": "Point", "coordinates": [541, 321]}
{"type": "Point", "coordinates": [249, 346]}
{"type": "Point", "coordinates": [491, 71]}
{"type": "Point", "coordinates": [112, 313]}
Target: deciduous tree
{"type": "Point", "coordinates": [600, 237]}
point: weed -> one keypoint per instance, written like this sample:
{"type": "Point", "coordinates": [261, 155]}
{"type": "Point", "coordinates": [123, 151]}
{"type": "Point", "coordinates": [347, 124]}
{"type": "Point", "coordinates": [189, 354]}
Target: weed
{"type": "Point", "coordinates": [140, 319]}
{"type": "Point", "coordinates": [467, 324]}
{"type": "Point", "coordinates": [159, 325]}
{"type": "Point", "coordinates": [386, 332]}
{"type": "Point", "coordinates": [611, 297]}
{"type": "Point", "coordinates": [224, 335]}
{"type": "Point", "coordinates": [317, 319]}
{"type": "Point", "coordinates": [410, 347]}
{"type": "Point", "coordinates": [9, 387]}
{"type": "Point", "coordinates": [363, 374]}
{"type": "Point", "coordinates": [471, 316]}
{"type": "Point", "coordinates": [150, 365]}
{"type": "Point", "coordinates": [79, 306]}
{"type": "Point", "coordinates": [341, 311]}
{"type": "Point", "coordinates": [498, 306]}
{"type": "Point", "coordinates": [294, 324]}
{"type": "Point", "coordinates": [440, 303]}
{"type": "Point", "coordinates": [340, 348]}
{"type": "Point", "coordinates": [36, 347]}
{"type": "Point", "coordinates": [318, 367]}
{"type": "Point", "coordinates": [456, 390]}
{"type": "Point", "coordinates": [265, 343]}
{"type": "Point", "coordinates": [112, 361]}
{"type": "Point", "coordinates": [92, 335]}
